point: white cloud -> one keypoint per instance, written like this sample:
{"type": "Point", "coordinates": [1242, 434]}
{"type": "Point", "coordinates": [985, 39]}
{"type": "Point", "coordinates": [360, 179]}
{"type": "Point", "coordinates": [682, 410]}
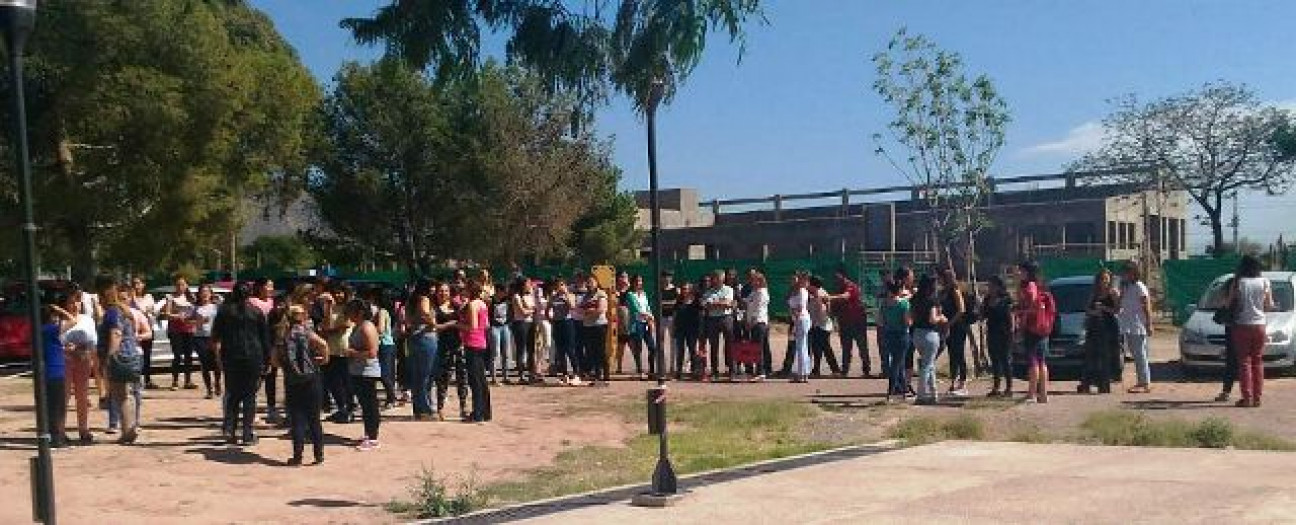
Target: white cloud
{"type": "Point", "coordinates": [1079, 140]}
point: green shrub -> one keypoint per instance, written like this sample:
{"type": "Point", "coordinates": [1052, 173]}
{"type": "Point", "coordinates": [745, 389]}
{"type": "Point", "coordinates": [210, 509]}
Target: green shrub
{"type": "Point", "coordinates": [922, 430]}
{"type": "Point", "coordinates": [1214, 432]}
{"type": "Point", "coordinates": [430, 498]}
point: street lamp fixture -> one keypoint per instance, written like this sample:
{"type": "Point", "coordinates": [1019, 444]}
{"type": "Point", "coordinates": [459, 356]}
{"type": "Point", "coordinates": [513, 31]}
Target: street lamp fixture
{"type": "Point", "coordinates": [665, 485]}
{"type": "Point", "coordinates": [17, 19]}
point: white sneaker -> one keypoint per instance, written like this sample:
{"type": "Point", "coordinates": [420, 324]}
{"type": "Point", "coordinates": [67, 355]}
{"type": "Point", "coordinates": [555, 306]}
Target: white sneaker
{"type": "Point", "coordinates": [368, 445]}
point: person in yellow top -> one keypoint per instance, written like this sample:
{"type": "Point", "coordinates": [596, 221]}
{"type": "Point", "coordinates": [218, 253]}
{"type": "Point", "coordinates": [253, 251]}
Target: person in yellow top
{"type": "Point", "coordinates": [336, 330]}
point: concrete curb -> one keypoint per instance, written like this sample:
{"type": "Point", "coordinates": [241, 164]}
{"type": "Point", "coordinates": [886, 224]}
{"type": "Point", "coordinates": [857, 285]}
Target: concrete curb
{"type": "Point", "coordinates": [614, 493]}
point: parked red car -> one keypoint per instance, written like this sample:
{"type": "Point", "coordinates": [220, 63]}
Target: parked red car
{"type": "Point", "coordinates": [15, 331]}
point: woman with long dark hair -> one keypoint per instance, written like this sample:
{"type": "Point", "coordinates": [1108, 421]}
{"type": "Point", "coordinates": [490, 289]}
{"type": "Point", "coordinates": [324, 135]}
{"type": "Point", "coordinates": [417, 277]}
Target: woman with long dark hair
{"type": "Point", "coordinates": [204, 314]}
{"type": "Point", "coordinates": [499, 334]}
{"type": "Point", "coordinates": [997, 310]}
{"type": "Point", "coordinates": [241, 340]}
{"type": "Point", "coordinates": [956, 330]}
{"type": "Point", "coordinates": [928, 322]}
{"type": "Point", "coordinates": [895, 317]}
{"type": "Point", "coordinates": [1102, 335]}
{"type": "Point", "coordinates": [419, 324]}
{"type": "Point", "coordinates": [1253, 295]}
{"type": "Point", "coordinates": [449, 349]}
{"type": "Point", "coordinates": [179, 313]}
{"type": "Point", "coordinates": [362, 365]}
{"type": "Point", "coordinates": [639, 325]}
{"type": "Point", "coordinates": [523, 306]}
{"type": "Point", "coordinates": [561, 305]}
{"type": "Point", "coordinates": [144, 302]}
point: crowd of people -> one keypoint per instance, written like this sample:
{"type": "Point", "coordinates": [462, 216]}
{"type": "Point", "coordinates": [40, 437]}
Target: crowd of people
{"type": "Point", "coordinates": [334, 348]}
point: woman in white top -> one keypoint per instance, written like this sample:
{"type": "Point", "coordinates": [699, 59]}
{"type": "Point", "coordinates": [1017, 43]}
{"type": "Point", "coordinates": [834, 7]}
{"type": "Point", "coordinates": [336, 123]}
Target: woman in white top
{"type": "Point", "coordinates": [523, 324]}
{"type": "Point", "coordinates": [1252, 297]}
{"type": "Point", "coordinates": [204, 313]}
{"type": "Point", "coordinates": [799, 312]}
{"type": "Point", "coordinates": [144, 302]}
{"type": "Point", "coordinates": [757, 308]}
{"type": "Point", "coordinates": [80, 338]}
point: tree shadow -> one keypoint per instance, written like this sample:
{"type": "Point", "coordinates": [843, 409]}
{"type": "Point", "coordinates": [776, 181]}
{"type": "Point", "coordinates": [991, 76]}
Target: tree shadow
{"type": "Point", "coordinates": [18, 443]}
{"type": "Point", "coordinates": [325, 503]}
{"type": "Point", "coordinates": [234, 456]}
{"type": "Point", "coordinates": [1167, 404]}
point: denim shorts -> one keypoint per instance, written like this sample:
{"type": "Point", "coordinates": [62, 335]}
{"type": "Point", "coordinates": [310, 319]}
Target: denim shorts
{"type": "Point", "coordinates": [1036, 348]}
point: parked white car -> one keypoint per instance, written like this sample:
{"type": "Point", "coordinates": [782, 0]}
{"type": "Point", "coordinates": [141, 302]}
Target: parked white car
{"type": "Point", "coordinates": [1201, 341]}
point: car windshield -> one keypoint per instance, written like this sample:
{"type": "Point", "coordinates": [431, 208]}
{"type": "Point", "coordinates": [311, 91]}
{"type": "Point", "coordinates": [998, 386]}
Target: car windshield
{"type": "Point", "coordinates": [1215, 296]}
{"type": "Point", "coordinates": [1071, 298]}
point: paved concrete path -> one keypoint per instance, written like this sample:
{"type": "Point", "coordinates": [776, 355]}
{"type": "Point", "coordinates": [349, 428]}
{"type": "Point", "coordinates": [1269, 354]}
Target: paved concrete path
{"type": "Point", "coordinates": [961, 482]}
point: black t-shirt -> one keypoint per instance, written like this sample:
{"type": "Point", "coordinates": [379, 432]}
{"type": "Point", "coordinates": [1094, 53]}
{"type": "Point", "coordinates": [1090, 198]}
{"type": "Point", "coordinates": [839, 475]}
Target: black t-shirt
{"type": "Point", "coordinates": [244, 335]}
{"type": "Point", "coordinates": [668, 298]}
{"type": "Point", "coordinates": [922, 310]}
{"type": "Point", "coordinates": [688, 318]}
{"type": "Point", "coordinates": [998, 312]}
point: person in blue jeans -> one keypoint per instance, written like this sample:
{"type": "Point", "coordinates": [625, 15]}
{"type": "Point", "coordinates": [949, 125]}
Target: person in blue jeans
{"type": "Point", "coordinates": [422, 345]}
{"type": "Point", "coordinates": [927, 324]}
{"type": "Point", "coordinates": [894, 320]}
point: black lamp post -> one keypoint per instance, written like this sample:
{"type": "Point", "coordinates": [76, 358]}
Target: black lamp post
{"type": "Point", "coordinates": [664, 482]}
{"type": "Point", "coordinates": [17, 19]}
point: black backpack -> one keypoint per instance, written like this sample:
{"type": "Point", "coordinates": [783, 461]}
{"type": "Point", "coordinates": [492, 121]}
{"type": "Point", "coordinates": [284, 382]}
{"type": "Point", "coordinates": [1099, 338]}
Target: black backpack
{"type": "Point", "coordinates": [971, 307]}
{"type": "Point", "coordinates": [299, 363]}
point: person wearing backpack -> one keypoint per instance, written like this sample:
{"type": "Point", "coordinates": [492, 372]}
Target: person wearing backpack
{"type": "Point", "coordinates": [121, 358]}
{"type": "Point", "coordinates": [1135, 318]}
{"type": "Point", "coordinates": [1037, 313]}
{"type": "Point", "coordinates": [300, 357]}
{"type": "Point", "coordinates": [240, 338]}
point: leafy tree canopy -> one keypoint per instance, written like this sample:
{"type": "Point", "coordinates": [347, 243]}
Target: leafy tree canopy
{"type": "Point", "coordinates": [150, 120]}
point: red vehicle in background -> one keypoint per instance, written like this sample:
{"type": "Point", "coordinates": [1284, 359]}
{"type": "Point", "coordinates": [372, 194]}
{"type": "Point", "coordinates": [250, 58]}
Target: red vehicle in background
{"type": "Point", "coordinates": [15, 330]}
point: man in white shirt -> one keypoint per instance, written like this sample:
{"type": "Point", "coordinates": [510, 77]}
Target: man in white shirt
{"type": "Point", "coordinates": [1135, 318]}
{"type": "Point", "coordinates": [718, 321]}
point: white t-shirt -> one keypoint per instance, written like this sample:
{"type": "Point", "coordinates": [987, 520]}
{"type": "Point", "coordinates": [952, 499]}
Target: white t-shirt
{"type": "Point", "coordinates": [1132, 318]}
{"type": "Point", "coordinates": [722, 293]}
{"type": "Point", "coordinates": [798, 306]}
{"type": "Point", "coordinates": [758, 306]}
{"type": "Point", "coordinates": [83, 333]}
{"type": "Point", "coordinates": [208, 314]}
{"type": "Point", "coordinates": [1251, 300]}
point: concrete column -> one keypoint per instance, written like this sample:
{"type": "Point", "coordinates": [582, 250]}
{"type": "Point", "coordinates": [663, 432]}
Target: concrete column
{"type": "Point", "coordinates": [778, 208]}
{"type": "Point", "coordinates": [845, 202]}
{"type": "Point", "coordinates": [715, 208]}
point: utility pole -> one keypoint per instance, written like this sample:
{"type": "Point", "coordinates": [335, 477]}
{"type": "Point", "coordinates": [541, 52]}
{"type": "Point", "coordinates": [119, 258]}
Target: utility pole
{"type": "Point", "coordinates": [1235, 223]}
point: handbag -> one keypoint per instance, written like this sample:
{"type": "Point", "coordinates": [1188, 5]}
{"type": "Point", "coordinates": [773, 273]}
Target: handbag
{"type": "Point", "coordinates": [1227, 314]}
{"type": "Point", "coordinates": [124, 368]}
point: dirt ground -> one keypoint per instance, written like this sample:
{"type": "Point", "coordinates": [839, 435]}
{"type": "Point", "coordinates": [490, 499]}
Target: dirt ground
{"type": "Point", "coordinates": [180, 469]}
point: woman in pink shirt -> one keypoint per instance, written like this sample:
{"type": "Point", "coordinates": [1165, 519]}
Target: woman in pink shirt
{"type": "Point", "coordinates": [473, 323]}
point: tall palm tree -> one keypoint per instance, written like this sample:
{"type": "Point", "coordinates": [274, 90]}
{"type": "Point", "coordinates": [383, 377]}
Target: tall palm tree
{"type": "Point", "coordinates": [590, 47]}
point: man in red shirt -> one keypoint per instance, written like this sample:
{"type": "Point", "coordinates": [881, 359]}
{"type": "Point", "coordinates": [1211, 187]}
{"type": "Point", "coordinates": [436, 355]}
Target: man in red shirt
{"type": "Point", "coordinates": [852, 321]}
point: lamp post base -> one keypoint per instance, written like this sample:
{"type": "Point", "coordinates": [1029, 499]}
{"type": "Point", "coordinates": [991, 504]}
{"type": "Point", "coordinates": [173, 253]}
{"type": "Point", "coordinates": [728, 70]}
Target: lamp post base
{"type": "Point", "coordinates": [656, 501]}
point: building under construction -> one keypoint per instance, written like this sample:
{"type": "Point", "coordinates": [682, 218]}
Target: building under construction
{"type": "Point", "coordinates": [1038, 216]}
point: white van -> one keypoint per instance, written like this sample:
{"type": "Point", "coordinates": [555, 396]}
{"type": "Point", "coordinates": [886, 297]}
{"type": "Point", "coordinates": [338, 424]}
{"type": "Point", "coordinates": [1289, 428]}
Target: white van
{"type": "Point", "coordinates": [1201, 341]}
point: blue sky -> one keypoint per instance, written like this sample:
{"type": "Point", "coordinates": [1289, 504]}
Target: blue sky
{"type": "Point", "coordinates": [796, 114]}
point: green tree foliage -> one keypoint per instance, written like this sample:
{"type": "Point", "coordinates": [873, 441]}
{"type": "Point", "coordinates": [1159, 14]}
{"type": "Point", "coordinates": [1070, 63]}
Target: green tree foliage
{"type": "Point", "coordinates": [150, 121]}
{"type": "Point", "coordinates": [947, 131]}
{"type": "Point", "coordinates": [279, 252]}
{"type": "Point", "coordinates": [482, 167]}
{"type": "Point", "coordinates": [1210, 142]}
{"type": "Point", "coordinates": [581, 46]}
